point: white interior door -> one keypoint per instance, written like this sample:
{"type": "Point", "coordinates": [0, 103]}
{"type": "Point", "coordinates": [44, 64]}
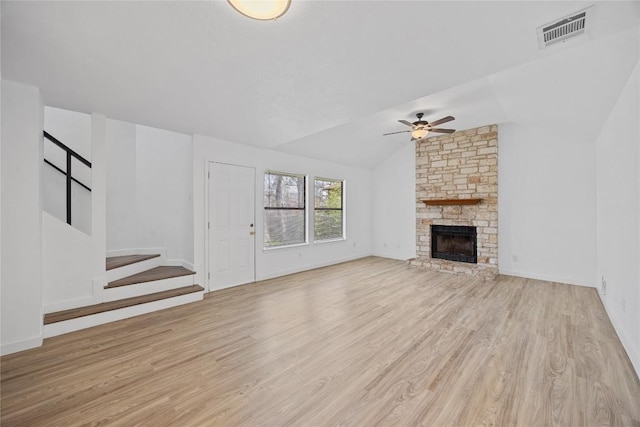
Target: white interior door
{"type": "Point", "coordinates": [231, 225]}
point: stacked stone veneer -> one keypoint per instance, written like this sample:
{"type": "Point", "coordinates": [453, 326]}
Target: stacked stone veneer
{"type": "Point", "coordinates": [458, 166]}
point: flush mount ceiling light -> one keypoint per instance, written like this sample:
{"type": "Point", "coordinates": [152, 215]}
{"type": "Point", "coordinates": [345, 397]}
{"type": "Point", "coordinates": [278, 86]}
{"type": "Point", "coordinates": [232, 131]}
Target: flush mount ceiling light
{"type": "Point", "coordinates": [262, 10]}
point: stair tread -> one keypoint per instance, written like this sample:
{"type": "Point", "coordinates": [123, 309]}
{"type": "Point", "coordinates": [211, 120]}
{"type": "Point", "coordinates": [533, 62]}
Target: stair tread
{"type": "Point", "coordinates": [121, 261]}
{"type": "Point", "coordinates": [156, 273]}
{"type": "Point", "coordinates": [75, 313]}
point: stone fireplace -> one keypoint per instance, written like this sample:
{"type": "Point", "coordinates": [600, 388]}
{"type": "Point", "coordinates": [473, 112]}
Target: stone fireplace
{"type": "Point", "coordinates": [457, 200]}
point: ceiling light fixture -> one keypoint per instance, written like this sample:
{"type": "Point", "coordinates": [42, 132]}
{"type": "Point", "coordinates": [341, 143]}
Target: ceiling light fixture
{"type": "Point", "coordinates": [262, 10]}
{"type": "Point", "coordinates": [419, 133]}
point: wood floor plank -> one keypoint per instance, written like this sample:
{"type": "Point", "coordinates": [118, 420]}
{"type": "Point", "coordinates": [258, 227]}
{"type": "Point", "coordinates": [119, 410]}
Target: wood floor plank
{"type": "Point", "coordinates": [121, 261]}
{"type": "Point", "coordinates": [156, 273]}
{"type": "Point", "coordinates": [368, 342]}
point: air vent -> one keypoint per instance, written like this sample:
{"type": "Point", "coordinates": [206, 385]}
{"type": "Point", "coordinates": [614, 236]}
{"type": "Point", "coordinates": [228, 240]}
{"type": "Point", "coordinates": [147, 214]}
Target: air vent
{"type": "Point", "coordinates": [565, 28]}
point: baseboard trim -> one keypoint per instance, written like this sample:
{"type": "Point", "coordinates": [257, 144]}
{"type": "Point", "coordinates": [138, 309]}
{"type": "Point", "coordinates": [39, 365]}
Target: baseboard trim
{"type": "Point", "coordinates": [308, 267]}
{"type": "Point", "coordinates": [390, 256]}
{"type": "Point", "coordinates": [22, 345]}
{"type": "Point", "coordinates": [546, 278]}
{"type": "Point", "coordinates": [180, 263]}
{"type": "Point", "coordinates": [632, 353]}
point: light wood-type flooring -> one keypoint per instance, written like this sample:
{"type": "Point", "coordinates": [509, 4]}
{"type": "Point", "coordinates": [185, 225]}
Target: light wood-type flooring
{"type": "Point", "coordinates": [364, 343]}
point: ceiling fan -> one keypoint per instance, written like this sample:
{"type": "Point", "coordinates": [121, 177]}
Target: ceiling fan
{"type": "Point", "coordinates": [421, 128]}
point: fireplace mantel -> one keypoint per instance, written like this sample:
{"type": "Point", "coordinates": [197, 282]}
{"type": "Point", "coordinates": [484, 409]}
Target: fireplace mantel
{"type": "Point", "coordinates": [445, 202]}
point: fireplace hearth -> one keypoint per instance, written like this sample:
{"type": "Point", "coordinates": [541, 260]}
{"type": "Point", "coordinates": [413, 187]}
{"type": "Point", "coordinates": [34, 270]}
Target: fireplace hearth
{"type": "Point", "coordinates": [454, 243]}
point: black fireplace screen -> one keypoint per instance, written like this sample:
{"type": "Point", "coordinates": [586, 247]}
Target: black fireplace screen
{"type": "Point", "coordinates": [455, 243]}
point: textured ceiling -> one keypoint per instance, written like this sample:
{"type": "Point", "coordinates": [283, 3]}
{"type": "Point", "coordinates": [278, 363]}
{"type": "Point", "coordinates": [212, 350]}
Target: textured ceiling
{"type": "Point", "coordinates": [328, 74]}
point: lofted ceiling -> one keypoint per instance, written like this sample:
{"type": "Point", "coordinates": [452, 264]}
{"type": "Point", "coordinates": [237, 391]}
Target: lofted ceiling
{"type": "Point", "coordinates": [329, 77]}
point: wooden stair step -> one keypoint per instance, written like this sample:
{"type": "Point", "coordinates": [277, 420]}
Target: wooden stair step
{"type": "Point", "coordinates": [75, 313]}
{"type": "Point", "coordinates": [121, 261]}
{"type": "Point", "coordinates": [157, 273]}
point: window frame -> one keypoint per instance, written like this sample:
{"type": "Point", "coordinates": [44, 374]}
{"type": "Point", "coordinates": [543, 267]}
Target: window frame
{"type": "Point", "coordinates": [342, 210]}
{"type": "Point", "coordinates": [305, 209]}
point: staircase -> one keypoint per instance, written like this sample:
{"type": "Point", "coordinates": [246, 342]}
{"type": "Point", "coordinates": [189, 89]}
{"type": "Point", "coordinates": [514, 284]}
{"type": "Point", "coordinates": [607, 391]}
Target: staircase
{"type": "Point", "coordinates": [137, 284]}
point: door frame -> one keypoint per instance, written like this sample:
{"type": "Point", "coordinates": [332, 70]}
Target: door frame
{"type": "Point", "coordinates": [208, 277]}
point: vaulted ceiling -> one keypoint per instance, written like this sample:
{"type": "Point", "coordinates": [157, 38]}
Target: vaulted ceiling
{"type": "Point", "coordinates": [329, 77]}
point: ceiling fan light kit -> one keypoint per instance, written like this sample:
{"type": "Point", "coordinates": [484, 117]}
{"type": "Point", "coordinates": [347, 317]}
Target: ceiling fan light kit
{"type": "Point", "coordinates": [421, 128]}
{"type": "Point", "coordinates": [419, 133]}
{"type": "Point", "coordinates": [262, 10]}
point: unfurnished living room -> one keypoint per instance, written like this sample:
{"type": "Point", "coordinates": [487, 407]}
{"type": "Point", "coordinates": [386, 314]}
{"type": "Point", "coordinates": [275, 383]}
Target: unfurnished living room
{"type": "Point", "coordinates": [319, 213]}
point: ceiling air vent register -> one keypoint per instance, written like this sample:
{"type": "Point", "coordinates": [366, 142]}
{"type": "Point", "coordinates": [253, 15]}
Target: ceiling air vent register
{"type": "Point", "coordinates": [568, 27]}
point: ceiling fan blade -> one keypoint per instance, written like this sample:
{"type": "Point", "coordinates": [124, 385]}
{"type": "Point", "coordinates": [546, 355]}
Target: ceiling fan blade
{"type": "Point", "coordinates": [404, 122]}
{"type": "Point", "coordinates": [442, 120]}
{"type": "Point", "coordinates": [442, 130]}
{"type": "Point", "coordinates": [392, 133]}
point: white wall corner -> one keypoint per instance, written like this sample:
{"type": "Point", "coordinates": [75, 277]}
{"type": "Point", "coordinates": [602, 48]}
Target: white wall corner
{"type": "Point", "coordinates": [98, 284]}
{"type": "Point", "coordinates": [22, 345]}
{"type": "Point", "coordinates": [200, 276]}
{"type": "Point", "coordinates": [306, 267]}
{"type": "Point", "coordinates": [618, 217]}
{"type": "Point", "coordinates": [548, 278]}
{"type": "Point", "coordinates": [389, 255]}
{"type": "Point", "coordinates": [21, 146]}
{"type": "Point", "coordinates": [627, 343]}
{"type": "Point", "coordinates": [180, 263]}
{"type": "Point", "coordinates": [99, 192]}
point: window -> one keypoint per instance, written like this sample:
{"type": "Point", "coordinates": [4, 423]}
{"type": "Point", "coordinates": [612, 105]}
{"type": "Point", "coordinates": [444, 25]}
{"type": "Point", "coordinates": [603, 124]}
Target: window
{"type": "Point", "coordinates": [328, 213]}
{"type": "Point", "coordinates": [284, 209]}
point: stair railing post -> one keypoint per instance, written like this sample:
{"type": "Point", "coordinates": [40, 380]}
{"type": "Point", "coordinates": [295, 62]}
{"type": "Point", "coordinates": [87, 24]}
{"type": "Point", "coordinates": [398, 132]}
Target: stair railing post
{"type": "Point", "coordinates": [68, 188]}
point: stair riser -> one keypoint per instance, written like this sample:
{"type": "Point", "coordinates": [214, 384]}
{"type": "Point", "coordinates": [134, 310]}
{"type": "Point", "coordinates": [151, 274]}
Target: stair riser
{"type": "Point", "coordinates": [131, 269]}
{"type": "Point", "coordinates": [59, 328]}
{"type": "Point", "coordinates": [122, 292]}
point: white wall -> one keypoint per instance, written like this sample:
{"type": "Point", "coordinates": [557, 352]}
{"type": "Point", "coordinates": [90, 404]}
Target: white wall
{"type": "Point", "coordinates": [276, 262]}
{"type": "Point", "coordinates": [546, 205]}
{"type": "Point", "coordinates": [67, 270]}
{"type": "Point", "coordinates": [121, 185]}
{"type": "Point", "coordinates": [546, 219]}
{"type": "Point", "coordinates": [21, 288]}
{"type": "Point", "coordinates": [394, 205]}
{"type": "Point", "coordinates": [71, 128]}
{"type": "Point", "coordinates": [150, 192]}
{"type": "Point", "coordinates": [164, 189]}
{"type": "Point", "coordinates": [618, 216]}
{"type": "Point", "coordinates": [73, 263]}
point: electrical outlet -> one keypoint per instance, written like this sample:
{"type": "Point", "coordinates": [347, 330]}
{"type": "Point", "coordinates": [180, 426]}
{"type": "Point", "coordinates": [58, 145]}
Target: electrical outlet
{"type": "Point", "coordinates": [603, 287]}
{"type": "Point", "coordinates": [623, 303]}
{"type": "Point", "coordinates": [515, 258]}
{"type": "Point", "coordinates": [354, 244]}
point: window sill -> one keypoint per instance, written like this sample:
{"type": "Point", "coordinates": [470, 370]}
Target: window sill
{"type": "Point", "coordinates": [273, 248]}
{"type": "Point", "coordinates": [341, 239]}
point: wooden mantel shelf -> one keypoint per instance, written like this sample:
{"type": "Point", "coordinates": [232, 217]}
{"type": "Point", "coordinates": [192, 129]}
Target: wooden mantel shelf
{"type": "Point", "coordinates": [443, 202]}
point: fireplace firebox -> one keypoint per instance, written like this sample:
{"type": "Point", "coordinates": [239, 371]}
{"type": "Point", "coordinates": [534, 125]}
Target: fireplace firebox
{"type": "Point", "coordinates": [454, 243]}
